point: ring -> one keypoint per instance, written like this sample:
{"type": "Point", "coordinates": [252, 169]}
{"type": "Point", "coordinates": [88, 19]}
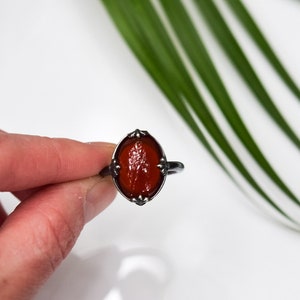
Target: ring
{"type": "Point", "coordinates": [139, 167]}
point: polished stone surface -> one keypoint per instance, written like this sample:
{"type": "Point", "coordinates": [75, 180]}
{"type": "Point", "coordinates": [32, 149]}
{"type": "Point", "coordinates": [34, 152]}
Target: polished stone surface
{"type": "Point", "coordinates": [138, 157]}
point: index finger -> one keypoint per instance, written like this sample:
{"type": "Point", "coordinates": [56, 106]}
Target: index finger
{"type": "Point", "coordinates": [30, 161]}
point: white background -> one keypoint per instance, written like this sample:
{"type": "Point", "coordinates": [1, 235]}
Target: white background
{"type": "Point", "coordinates": [66, 72]}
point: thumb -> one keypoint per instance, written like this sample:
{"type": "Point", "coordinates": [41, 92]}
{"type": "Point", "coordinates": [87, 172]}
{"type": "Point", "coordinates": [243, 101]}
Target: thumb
{"type": "Point", "coordinates": [39, 234]}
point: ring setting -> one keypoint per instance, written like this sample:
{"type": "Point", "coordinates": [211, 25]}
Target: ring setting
{"type": "Point", "coordinates": [139, 167]}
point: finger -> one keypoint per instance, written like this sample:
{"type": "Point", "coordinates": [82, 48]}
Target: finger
{"type": "Point", "coordinates": [30, 161]}
{"type": "Point", "coordinates": [38, 235]}
{"type": "Point", "coordinates": [3, 214]}
{"type": "Point", "coordinates": [23, 195]}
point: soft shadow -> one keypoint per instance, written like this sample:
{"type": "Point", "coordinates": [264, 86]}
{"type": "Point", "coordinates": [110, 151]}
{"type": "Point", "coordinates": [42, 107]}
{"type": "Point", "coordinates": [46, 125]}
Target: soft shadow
{"type": "Point", "coordinates": [135, 274]}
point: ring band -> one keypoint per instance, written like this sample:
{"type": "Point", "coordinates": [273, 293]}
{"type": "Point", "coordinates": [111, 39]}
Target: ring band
{"type": "Point", "coordinates": [139, 167]}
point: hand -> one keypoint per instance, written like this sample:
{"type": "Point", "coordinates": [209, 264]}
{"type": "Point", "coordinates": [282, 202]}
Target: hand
{"type": "Point", "coordinates": [54, 180]}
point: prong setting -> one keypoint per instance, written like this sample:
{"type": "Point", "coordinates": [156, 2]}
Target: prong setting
{"type": "Point", "coordinates": [138, 133]}
{"type": "Point", "coordinates": [163, 166]}
{"type": "Point", "coordinates": [140, 200]}
{"type": "Point", "coordinates": [114, 168]}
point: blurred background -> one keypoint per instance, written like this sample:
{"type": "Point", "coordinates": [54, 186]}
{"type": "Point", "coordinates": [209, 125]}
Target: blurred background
{"type": "Point", "coordinates": [66, 72]}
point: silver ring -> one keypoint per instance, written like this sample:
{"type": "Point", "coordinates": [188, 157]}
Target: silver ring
{"type": "Point", "coordinates": [139, 167]}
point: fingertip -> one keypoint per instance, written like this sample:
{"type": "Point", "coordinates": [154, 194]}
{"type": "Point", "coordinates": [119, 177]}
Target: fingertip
{"type": "Point", "coordinates": [50, 160]}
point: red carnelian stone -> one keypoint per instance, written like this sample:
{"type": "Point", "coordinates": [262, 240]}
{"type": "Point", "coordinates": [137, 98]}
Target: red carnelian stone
{"type": "Point", "coordinates": [139, 174]}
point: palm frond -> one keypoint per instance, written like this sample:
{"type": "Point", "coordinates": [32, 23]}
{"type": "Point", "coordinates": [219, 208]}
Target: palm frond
{"type": "Point", "coordinates": [143, 25]}
{"type": "Point", "coordinates": [258, 37]}
{"type": "Point", "coordinates": [230, 45]}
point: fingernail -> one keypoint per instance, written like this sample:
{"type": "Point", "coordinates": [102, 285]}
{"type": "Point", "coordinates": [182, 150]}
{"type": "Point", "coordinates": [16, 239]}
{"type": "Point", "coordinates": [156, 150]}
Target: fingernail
{"type": "Point", "coordinates": [99, 197]}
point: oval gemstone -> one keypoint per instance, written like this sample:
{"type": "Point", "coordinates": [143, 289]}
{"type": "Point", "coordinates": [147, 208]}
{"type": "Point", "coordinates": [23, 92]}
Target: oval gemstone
{"type": "Point", "coordinates": [138, 158]}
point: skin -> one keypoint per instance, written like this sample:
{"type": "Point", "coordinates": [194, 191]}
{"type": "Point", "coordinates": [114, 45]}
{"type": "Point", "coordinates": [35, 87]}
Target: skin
{"type": "Point", "coordinates": [55, 181]}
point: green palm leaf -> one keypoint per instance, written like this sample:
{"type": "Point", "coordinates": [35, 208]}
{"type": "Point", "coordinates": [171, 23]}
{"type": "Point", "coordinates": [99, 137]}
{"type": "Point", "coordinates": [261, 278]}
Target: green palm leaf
{"type": "Point", "coordinates": [242, 64]}
{"type": "Point", "coordinates": [246, 20]}
{"type": "Point", "coordinates": [144, 28]}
